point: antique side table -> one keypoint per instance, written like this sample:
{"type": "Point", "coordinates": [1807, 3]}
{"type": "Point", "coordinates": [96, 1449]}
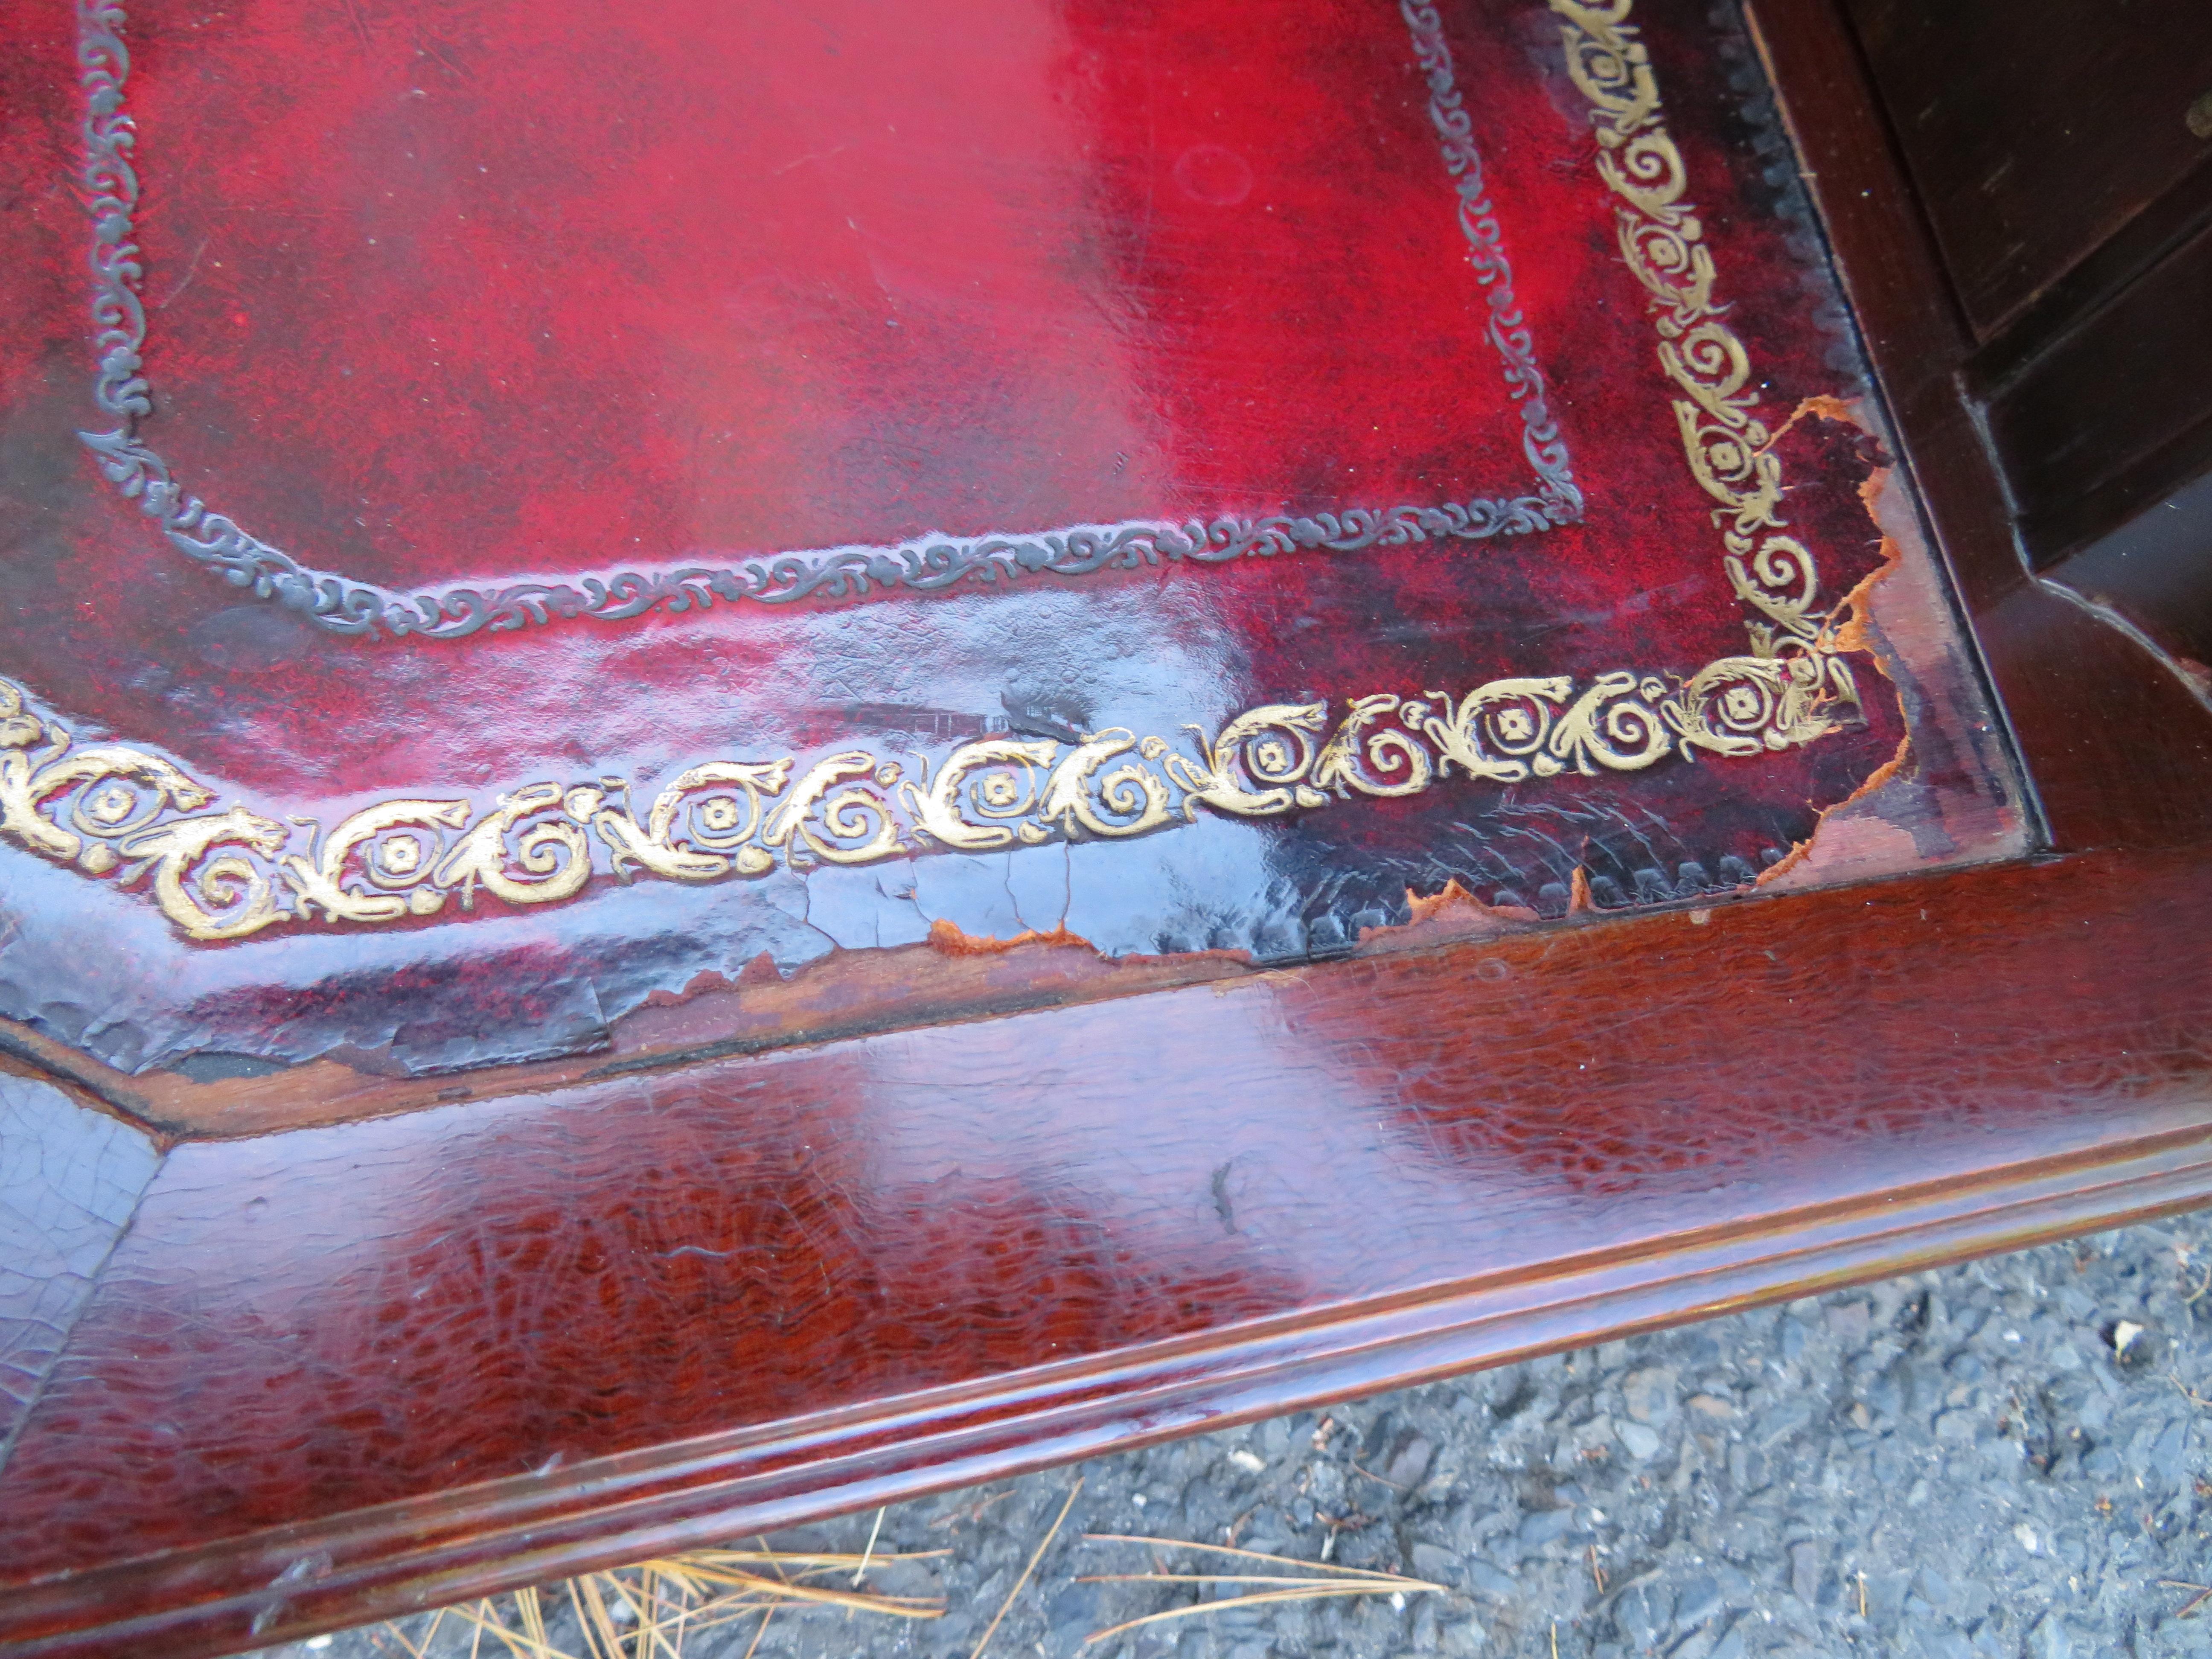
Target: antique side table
{"type": "Point", "coordinates": [755, 756]}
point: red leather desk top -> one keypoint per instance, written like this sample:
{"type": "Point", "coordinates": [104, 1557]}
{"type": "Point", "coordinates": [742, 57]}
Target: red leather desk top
{"type": "Point", "coordinates": [532, 510]}
{"type": "Point", "coordinates": [550, 547]}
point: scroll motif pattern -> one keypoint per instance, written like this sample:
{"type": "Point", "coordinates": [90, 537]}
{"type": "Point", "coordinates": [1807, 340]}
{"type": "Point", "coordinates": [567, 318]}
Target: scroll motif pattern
{"type": "Point", "coordinates": [221, 874]}
{"type": "Point", "coordinates": [224, 872]}
{"type": "Point", "coordinates": [1728, 446]}
{"type": "Point", "coordinates": [341, 604]}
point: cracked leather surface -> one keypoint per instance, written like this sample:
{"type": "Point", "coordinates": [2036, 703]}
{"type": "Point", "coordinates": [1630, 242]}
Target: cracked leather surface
{"type": "Point", "coordinates": [283, 407]}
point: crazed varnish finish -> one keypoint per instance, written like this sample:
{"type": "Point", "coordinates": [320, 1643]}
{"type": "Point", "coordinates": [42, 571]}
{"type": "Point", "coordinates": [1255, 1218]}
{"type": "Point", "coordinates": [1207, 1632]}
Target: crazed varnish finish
{"type": "Point", "coordinates": [1023, 724]}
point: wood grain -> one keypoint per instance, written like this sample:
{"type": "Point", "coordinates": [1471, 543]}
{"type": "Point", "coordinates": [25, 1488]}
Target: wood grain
{"type": "Point", "coordinates": [2117, 746]}
{"type": "Point", "coordinates": [352, 1369]}
{"type": "Point", "coordinates": [2116, 415]}
{"type": "Point", "coordinates": [2036, 130]}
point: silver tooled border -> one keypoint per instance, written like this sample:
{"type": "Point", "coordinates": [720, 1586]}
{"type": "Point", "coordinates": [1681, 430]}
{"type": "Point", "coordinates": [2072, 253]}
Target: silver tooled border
{"type": "Point", "coordinates": [344, 605]}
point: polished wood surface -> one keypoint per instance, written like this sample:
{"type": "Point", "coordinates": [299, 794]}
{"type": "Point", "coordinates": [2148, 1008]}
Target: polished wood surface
{"type": "Point", "coordinates": [505, 1338]}
{"type": "Point", "coordinates": [69, 1179]}
{"type": "Point", "coordinates": [2035, 131]}
{"type": "Point", "coordinates": [2082, 460]}
{"type": "Point", "coordinates": [2117, 749]}
{"type": "Point", "coordinates": [343, 1341]}
{"type": "Point", "coordinates": [2153, 573]}
{"type": "Point", "coordinates": [2061, 154]}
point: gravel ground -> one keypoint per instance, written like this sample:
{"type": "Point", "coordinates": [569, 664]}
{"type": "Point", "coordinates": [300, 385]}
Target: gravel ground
{"type": "Point", "coordinates": [2006, 1458]}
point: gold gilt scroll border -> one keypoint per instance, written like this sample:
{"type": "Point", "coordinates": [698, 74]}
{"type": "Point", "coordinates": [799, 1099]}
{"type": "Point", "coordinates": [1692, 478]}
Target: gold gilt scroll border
{"type": "Point", "coordinates": [222, 873]}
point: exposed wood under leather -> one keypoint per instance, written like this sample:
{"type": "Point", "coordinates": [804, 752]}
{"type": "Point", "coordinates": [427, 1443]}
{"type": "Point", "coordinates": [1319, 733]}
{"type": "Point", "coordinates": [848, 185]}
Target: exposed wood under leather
{"type": "Point", "coordinates": [2118, 754]}
{"type": "Point", "coordinates": [547, 1171]}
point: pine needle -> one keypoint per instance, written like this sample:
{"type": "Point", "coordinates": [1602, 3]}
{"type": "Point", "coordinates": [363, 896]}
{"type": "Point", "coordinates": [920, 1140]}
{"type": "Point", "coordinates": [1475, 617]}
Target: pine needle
{"type": "Point", "coordinates": [780, 1558]}
{"type": "Point", "coordinates": [902, 1607]}
{"type": "Point", "coordinates": [532, 1614]}
{"type": "Point", "coordinates": [520, 1644]}
{"type": "Point", "coordinates": [651, 1639]}
{"type": "Point", "coordinates": [600, 1635]}
{"type": "Point", "coordinates": [665, 1599]}
{"type": "Point", "coordinates": [1051, 1531]}
{"type": "Point", "coordinates": [1334, 1571]}
{"type": "Point", "coordinates": [1372, 1585]}
{"type": "Point", "coordinates": [868, 1554]}
{"type": "Point", "coordinates": [1317, 1592]}
{"type": "Point", "coordinates": [1313, 1583]}
{"type": "Point", "coordinates": [400, 1636]}
{"type": "Point", "coordinates": [761, 1631]}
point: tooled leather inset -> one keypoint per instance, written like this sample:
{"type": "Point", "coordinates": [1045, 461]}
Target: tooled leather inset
{"type": "Point", "coordinates": [344, 605]}
{"type": "Point", "coordinates": [230, 873]}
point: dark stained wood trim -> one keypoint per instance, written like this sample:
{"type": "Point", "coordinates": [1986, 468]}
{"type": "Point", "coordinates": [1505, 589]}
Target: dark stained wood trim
{"type": "Point", "coordinates": [2111, 419]}
{"type": "Point", "coordinates": [412, 1556]}
{"type": "Point", "coordinates": [1624, 1124]}
{"type": "Point", "coordinates": [2117, 746]}
{"type": "Point", "coordinates": [2162, 227]}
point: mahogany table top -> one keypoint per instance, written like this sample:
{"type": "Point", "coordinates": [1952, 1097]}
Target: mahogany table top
{"type": "Point", "coordinates": [753, 756]}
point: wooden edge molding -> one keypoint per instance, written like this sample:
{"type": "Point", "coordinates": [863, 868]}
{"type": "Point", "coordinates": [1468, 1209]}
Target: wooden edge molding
{"type": "Point", "coordinates": [291, 1583]}
{"type": "Point", "coordinates": [2115, 743]}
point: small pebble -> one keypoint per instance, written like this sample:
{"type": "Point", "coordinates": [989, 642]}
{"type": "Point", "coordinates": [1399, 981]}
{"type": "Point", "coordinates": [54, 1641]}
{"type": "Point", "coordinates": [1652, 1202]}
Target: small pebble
{"type": "Point", "coordinates": [1936, 1466]}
